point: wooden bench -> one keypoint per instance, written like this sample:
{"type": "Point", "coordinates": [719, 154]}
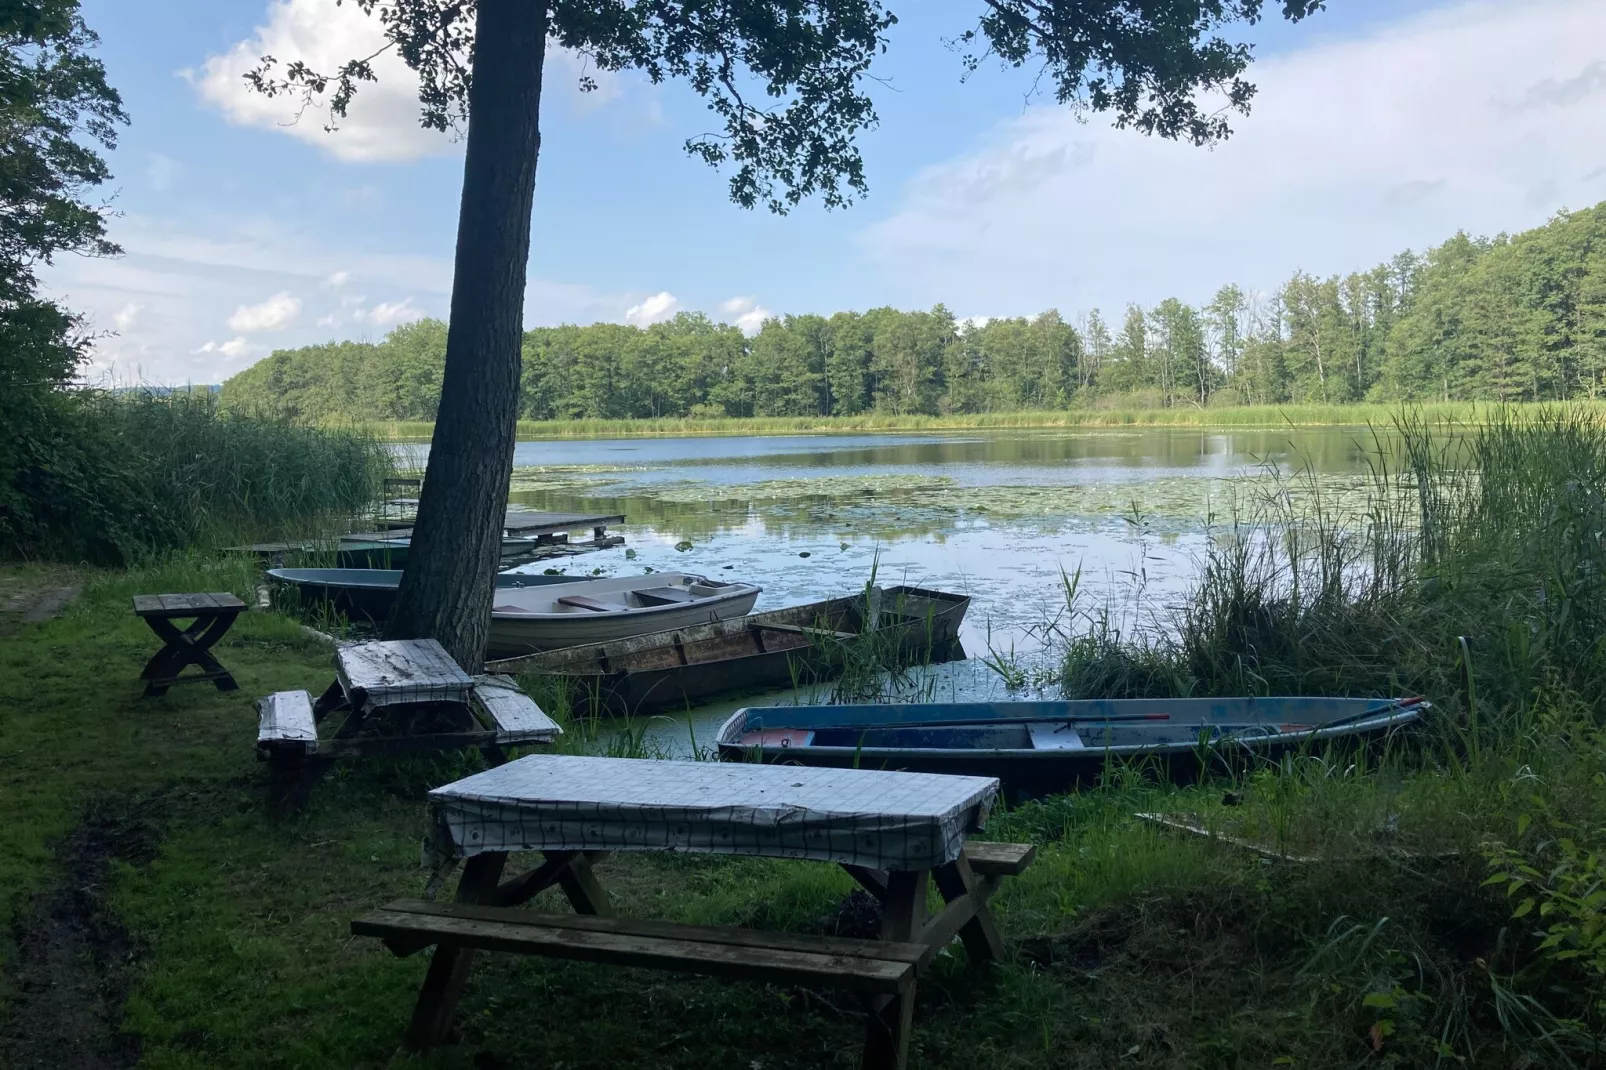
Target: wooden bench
{"type": "Point", "coordinates": [883, 971]}
{"type": "Point", "coordinates": [999, 859]}
{"type": "Point", "coordinates": [285, 725]}
{"type": "Point", "coordinates": [210, 616]}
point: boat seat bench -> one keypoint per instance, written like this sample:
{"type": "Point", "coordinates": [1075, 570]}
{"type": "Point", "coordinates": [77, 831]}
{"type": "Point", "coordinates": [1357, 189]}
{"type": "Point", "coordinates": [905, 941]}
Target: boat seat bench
{"type": "Point", "coordinates": [882, 971]}
{"type": "Point", "coordinates": [580, 601]}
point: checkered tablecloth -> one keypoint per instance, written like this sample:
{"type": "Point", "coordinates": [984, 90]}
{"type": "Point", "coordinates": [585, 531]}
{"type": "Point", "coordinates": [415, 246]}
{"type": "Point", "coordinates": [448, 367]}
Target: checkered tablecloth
{"type": "Point", "coordinates": [871, 818]}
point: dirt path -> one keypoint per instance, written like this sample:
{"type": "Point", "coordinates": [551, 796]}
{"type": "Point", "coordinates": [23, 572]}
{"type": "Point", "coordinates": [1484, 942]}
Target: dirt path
{"type": "Point", "coordinates": [33, 598]}
{"type": "Point", "coordinates": [74, 961]}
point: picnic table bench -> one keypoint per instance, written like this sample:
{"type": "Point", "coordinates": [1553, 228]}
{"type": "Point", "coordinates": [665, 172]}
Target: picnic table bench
{"type": "Point", "coordinates": [396, 697]}
{"type": "Point", "coordinates": [210, 616]}
{"type": "Point", "coordinates": [895, 833]}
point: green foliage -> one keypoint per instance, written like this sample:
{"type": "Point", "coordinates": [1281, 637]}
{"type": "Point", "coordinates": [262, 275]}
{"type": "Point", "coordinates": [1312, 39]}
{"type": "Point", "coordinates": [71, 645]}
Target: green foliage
{"type": "Point", "coordinates": [1521, 319]}
{"type": "Point", "coordinates": [1477, 556]}
{"type": "Point", "coordinates": [1555, 879]}
{"type": "Point", "coordinates": [108, 478]}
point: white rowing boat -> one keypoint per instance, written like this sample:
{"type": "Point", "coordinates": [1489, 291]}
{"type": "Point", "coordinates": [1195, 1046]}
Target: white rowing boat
{"type": "Point", "coordinates": [595, 611]}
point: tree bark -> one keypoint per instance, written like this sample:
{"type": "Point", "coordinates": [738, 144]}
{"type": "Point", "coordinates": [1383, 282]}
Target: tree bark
{"type": "Point", "coordinates": [448, 584]}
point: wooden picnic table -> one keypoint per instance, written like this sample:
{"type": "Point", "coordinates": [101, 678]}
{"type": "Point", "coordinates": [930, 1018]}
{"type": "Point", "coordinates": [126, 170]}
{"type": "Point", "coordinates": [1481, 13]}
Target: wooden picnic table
{"type": "Point", "coordinates": [395, 697]}
{"type": "Point", "coordinates": [210, 616]}
{"type": "Point", "coordinates": [895, 833]}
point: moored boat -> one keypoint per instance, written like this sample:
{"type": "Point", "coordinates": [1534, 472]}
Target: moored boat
{"type": "Point", "coordinates": [369, 593]}
{"type": "Point", "coordinates": [361, 551]}
{"type": "Point", "coordinates": [1036, 747]}
{"type": "Point", "coordinates": [597, 611]}
{"type": "Point", "coordinates": [796, 645]}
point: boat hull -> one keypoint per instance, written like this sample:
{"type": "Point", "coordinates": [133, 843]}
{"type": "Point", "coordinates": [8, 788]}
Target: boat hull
{"type": "Point", "coordinates": [1195, 736]}
{"type": "Point", "coordinates": [539, 625]}
{"type": "Point", "coordinates": [679, 669]}
{"type": "Point", "coordinates": [369, 593]}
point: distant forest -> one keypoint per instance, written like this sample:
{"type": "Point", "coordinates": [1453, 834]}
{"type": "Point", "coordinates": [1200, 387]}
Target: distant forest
{"type": "Point", "coordinates": [1519, 318]}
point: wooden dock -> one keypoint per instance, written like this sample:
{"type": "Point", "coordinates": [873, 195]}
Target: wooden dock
{"type": "Point", "coordinates": [539, 535]}
{"type": "Point", "coordinates": [526, 524]}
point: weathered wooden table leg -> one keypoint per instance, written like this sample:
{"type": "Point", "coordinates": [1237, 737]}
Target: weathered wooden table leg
{"type": "Point", "coordinates": [891, 1018]}
{"type": "Point", "coordinates": [192, 646]}
{"type": "Point", "coordinates": [959, 885]}
{"type": "Point", "coordinates": [450, 966]}
{"type": "Point", "coordinates": [572, 869]}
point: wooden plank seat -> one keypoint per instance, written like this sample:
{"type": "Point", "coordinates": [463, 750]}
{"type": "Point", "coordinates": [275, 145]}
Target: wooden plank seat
{"type": "Point", "coordinates": [883, 971]}
{"type": "Point", "coordinates": [580, 601]}
{"type": "Point", "coordinates": [999, 859]}
{"type": "Point", "coordinates": [514, 716]}
{"type": "Point", "coordinates": [285, 724]}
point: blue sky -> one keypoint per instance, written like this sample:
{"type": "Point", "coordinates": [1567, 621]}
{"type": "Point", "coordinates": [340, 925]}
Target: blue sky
{"type": "Point", "coordinates": [1381, 124]}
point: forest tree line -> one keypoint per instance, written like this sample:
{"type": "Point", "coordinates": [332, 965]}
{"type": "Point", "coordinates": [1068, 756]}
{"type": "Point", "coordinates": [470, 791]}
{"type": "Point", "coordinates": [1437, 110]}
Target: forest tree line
{"type": "Point", "coordinates": [1512, 318]}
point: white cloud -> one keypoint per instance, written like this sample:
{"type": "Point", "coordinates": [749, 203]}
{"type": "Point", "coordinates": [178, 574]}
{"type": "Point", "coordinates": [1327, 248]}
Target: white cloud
{"type": "Point", "coordinates": [127, 317]}
{"type": "Point", "coordinates": [188, 274]}
{"type": "Point", "coordinates": [274, 314]}
{"type": "Point", "coordinates": [382, 124]}
{"type": "Point", "coordinates": [745, 312]}
{"type": "Point", "coordinates": [655, 309]}
{"type": "Point", "coordinates": [337, 280]}
{"type": "Point", "coordinates": [392, 313]}
{"type": "Point", "coordinates": [234, 348]}
{"type": "Point", "coordinates": [1480, 116]}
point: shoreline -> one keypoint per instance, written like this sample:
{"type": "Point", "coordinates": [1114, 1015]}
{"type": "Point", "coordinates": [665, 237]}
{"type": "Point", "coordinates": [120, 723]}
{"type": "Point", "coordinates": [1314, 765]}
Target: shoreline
{"type": "Point", "coordinates": [1244, 418]}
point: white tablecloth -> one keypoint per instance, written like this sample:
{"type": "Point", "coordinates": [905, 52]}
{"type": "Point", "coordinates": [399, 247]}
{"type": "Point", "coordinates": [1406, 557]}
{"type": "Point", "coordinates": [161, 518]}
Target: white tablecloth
{"type": "Point", "coordinates": [881, 820]}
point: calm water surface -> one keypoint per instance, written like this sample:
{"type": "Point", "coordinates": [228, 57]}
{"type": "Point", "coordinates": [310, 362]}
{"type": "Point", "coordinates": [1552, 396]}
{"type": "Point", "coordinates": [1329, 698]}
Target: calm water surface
{"type": "Point", "coordinates": [999, 516]}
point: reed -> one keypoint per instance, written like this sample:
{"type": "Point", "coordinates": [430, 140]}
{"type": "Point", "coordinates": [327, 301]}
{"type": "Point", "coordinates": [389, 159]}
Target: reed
{"type": "Point", "coordinates": [136, 473]}
{"type": "Point", "coordinates": [1477, 566]}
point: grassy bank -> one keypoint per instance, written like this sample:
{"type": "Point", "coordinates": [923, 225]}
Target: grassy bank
{"type": "Point", "coordinates": [220, 934]}
{"type": "Point", "coordinates": [1435, 903]}
{"type": "Point", "coordinates": [1256, 416]}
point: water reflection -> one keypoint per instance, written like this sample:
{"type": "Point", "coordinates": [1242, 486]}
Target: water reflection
{"type": "Point", "coordinates": [1002, 517]}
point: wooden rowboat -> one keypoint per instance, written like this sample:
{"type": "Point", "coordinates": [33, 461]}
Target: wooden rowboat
{"type": "Point", "coordinates": [593, 611]}
{"type": "Point", "coordinates": [783, 647]}
{"type": "Point", "coordinates": [368, 593]}
{"type": "Point", "coordinates": [1037, 747]}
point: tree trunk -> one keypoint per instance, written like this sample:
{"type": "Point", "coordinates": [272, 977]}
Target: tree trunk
{"type": "Point", "coordinates": [457, 544]}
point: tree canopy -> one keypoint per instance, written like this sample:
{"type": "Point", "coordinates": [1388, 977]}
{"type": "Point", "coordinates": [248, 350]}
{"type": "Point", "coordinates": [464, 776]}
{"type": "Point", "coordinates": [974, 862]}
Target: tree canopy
{"type": "Point", "coordinates": [56, 111]}
{"type": "Point", "coordinates": [786, 78]}
{"type": "Point", "coordinates": [1512, 318]}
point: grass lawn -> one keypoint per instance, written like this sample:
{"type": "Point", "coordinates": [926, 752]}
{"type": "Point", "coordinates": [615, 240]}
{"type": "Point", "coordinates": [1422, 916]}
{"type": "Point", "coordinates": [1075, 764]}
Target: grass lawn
{"type": "Point", "coordinates": [155, 912]}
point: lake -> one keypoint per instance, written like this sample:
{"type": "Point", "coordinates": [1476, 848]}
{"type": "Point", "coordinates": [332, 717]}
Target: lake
{"type": "Point", "coordinates": [998, 515]}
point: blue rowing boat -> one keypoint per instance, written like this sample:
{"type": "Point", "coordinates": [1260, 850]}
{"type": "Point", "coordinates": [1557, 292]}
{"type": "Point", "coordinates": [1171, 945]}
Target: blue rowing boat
{"type": "Point", "coordinates": [368, 593]}
{"type": "Point", "coordinates": [1037, 747]}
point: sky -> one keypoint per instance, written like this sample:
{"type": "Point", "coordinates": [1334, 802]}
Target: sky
{"type": "Point", "coordinates": [1379, 125]}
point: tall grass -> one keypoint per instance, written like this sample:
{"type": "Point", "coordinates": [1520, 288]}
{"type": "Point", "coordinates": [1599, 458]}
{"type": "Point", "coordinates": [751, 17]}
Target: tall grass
{"type": "Point", "coordinates": [1478, 569]}
{"type": "Point", "coordinates": [128, 475]}
{"type": "Point", "coordinates": [1249, 416]}
{"type": "Point", "coordinates": [1476, 577]}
